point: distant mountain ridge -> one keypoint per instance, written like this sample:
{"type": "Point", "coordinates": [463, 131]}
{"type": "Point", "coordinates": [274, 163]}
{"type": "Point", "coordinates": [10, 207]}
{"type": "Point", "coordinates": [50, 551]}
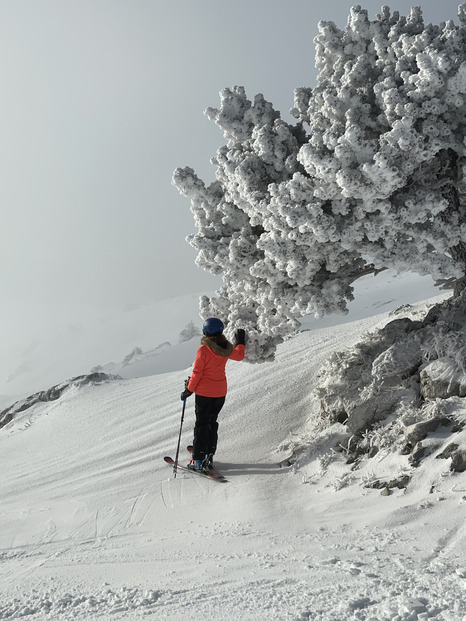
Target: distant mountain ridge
{"type": "Point", "coordinates": [77, 347]}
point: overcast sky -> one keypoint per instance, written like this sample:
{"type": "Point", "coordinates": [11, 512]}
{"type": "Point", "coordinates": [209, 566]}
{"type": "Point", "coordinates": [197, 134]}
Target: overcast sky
{"type": "Point", "coordinates": [100, 101]}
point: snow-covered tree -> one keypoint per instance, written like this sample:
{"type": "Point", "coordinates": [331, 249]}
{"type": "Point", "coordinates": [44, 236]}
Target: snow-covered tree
{"type": "Point", "coordinates": [370, 177]}
{"type": "Point", "coordinates": [132, 354]}
{"type": "Point", "coordinates": [189, 332]}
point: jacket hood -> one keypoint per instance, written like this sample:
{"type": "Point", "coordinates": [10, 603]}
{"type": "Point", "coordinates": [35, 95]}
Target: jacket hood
{"type": "Point", "coordinates": [219, 345]}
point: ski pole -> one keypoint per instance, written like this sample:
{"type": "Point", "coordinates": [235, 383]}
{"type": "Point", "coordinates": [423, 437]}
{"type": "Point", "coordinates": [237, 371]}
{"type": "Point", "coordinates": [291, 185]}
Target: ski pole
{"type": "Point", "coordinates": [179, 437]}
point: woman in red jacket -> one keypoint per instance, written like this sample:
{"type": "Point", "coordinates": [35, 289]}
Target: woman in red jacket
{"type": "Point", "coordinates": [208, 381]}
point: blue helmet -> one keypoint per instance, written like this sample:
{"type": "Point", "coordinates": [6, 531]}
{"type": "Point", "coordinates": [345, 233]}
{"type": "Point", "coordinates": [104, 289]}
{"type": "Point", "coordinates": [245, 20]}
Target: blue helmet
{"type": "Point", "coordinates": [212, 327]}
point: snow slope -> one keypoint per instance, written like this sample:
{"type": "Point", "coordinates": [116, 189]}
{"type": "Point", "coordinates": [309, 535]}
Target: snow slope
{"type": "Point", "coordinates": [94, 526]}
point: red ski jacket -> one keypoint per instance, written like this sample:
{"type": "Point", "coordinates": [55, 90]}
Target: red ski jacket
{"type": "Point", "coordinates": [208, 378]}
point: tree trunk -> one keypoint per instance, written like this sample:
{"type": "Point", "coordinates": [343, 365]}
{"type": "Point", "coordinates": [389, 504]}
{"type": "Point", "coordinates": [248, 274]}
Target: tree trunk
{"type": "Point", "coordinates": [449, 169]}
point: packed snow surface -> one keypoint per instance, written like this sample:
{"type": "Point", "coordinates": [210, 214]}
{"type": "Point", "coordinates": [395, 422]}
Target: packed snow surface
{"type": "Point", "coordinates": [93, 525]}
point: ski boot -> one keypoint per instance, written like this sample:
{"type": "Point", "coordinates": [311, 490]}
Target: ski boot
{"type": "Point", "coordinates": [208, 463]}
{"type": "Point", "coordinates": [195, 464]}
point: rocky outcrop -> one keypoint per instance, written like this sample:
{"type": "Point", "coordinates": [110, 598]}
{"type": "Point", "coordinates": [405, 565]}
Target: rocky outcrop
{"type": "Point", "coordinates": [399, 378]}
{"type": "Point", "coordinates": [442, 379]}
{"type": "Point", "coordinates": [417, 432]}
{"type": "Point", "coordinates": [365, 386]}
{"type": "Point", "coordinates": [52, 394]}
{"type": "Point", "coordinates": [377, 407]}
{"type": "Point", "coordinates": [401, 483]}
{"type": "Point", "coordinates": [458, 461]}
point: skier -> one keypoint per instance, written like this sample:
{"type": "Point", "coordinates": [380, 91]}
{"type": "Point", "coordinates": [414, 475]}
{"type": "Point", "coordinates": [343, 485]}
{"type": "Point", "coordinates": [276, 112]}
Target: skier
{"type": "Point", "coordinates": [208, 381]}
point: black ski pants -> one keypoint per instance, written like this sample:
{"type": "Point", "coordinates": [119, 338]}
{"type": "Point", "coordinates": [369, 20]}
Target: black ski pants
{"type": "Point", "coordinates": [206, 427]}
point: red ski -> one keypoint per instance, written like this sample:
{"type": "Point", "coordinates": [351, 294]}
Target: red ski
{"type": "Point", "coordinates": [209, 474]}
{"type": "Point", "coordinates": [190, 449]}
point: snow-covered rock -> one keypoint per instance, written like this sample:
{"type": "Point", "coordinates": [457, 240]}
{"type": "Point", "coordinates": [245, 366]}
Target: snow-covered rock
{"type": "Point", "coordinates": [377, 407]}
{"type": "Point", "coordinates": [399, 386]}
{"type": "Point", "coordinates": [362, 385]}
{"type": "Point", "coordinates": [458, 461]}
{"type": "Point", "coordinates": [441, 379]}
{"type": "Point", "coordinates": [51, 394]}
{"type": "Point", "coordinates": [418, 431]}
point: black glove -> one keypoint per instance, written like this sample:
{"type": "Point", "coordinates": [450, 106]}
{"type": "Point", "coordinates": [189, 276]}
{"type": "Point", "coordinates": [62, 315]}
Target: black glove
{"type": "Point", "coordinates": [185, 394]}
{"type": "Point", "coordinates": [240, 337]}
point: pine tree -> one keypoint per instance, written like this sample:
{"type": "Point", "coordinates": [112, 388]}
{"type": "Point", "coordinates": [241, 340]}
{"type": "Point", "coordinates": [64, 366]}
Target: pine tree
{"type": "Point", "coordinates": [132, 354]}
{"type": "Point", "coordinates": [370, 177]}
{"type": "Point", "coordinates": [189, 332]}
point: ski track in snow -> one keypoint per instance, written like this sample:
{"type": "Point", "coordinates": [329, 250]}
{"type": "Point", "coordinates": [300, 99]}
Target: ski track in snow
{"type": "Point", "coordinates": [93, 525]}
